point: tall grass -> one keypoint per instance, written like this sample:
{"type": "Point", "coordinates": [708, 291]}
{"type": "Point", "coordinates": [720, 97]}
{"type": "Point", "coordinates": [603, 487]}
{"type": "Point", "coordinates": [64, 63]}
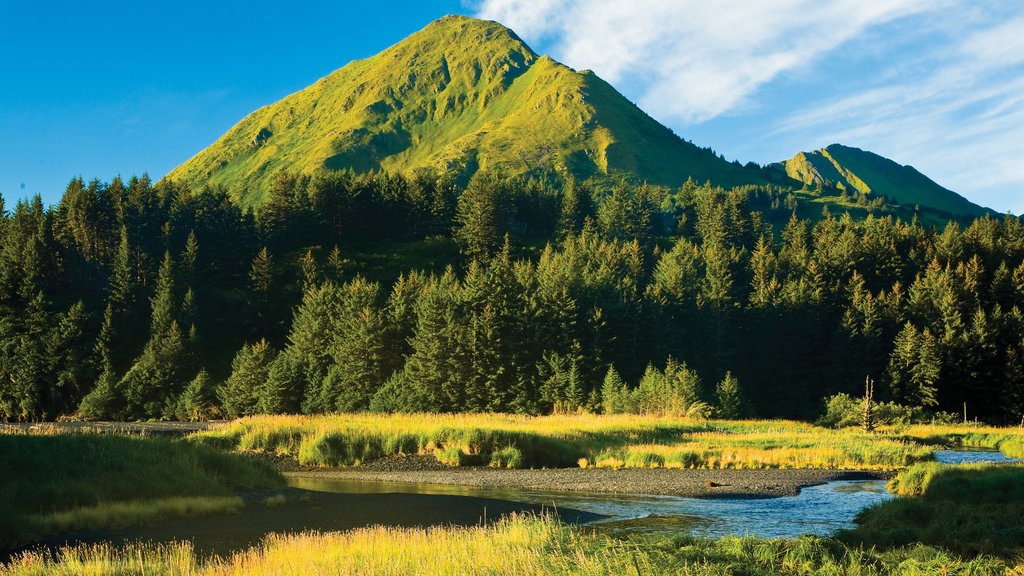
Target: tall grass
{"type": "Point", "coordinates": [1009, 440]}
{"type": "Point", "coordinates": [67, 481]}
{"type": "Point", "coordinates": [967, 508]}
{"type": "Point", "coordinates": [513, 546]}
{"type": "Point", "coordinates": [565, 440]}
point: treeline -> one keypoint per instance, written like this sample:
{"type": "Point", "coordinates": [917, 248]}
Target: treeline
{"type": "Point", "coordinates": [133, 300]}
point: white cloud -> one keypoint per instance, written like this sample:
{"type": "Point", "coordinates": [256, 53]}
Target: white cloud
{"type": "Point", "coordinates": [956, 114]}
{"type": "Point", "coordinates": [934, 83]}
{"type": "Point", "coordinates": [695, 60]}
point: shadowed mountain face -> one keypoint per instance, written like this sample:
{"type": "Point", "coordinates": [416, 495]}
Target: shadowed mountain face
{"type": "Point", "coordinates": [858, 170]}
{"type": "Point", "coordinates": [459, 96]}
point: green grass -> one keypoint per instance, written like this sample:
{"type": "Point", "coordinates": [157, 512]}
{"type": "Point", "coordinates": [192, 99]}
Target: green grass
{"type": "Point", "coordinates": [459, 95]}
{"type": "Point", "coordinates": [969, 509]}
{"type": "Point", "coordinates": [565, 441]}
{"type": "Point", "coordinates": [67, 481]}
{"type": "Point", "coordinates": [513, 546]}
{"type": "Point", "coordinates": [1010, 440]}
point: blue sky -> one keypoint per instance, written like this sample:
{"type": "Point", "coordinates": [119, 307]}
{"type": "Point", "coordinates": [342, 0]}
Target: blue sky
{"type": "Point", "coordinates": [109, 87]}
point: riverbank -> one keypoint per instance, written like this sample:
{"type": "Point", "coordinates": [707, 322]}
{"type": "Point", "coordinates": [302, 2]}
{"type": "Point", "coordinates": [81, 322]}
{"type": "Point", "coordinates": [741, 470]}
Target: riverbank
{"type": "Point", "coordinates": [765, 483]}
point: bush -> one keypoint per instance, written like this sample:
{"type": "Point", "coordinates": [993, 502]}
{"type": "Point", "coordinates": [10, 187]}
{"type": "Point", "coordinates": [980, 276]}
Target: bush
{"type": "Point", "coordinates": [843, 410]}
{"type": "Point", "coordinates": [508, 457]}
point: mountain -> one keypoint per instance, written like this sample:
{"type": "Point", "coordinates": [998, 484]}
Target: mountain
{"type": "Point", "coordinates": [853, 169]}
{"type": "Point", "coordinates": [459, 96]}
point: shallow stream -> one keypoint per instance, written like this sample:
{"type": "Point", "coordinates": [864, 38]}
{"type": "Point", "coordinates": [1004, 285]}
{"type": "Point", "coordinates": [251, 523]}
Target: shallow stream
{"type": "Point", "coordinates": [341, 505]}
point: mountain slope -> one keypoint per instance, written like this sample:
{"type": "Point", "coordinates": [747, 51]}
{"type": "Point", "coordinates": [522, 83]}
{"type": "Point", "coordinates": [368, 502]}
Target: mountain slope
{"type": "Point", "coordinates": [858, 170]}
{"type": "Point", "coordinates": [461, 95]}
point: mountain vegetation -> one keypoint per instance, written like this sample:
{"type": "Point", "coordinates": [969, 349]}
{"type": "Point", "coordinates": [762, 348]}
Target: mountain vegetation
{"type": "Point", "coordinates": [460, 96]}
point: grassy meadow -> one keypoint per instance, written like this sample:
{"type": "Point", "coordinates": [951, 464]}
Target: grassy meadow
{"type": "Point", "coordinates": [514, 546]}
{"type": "Point", "coordinates": [613, 441]}
{"type": "Point", "coordinates": [53, 482]}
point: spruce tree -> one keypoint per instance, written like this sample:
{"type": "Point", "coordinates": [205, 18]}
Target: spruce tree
{"type": "Point", "coordinates": [357, 350]}
{"type": "Point", "coordinates": [285, 386]}
{"type": "Point", "coordinates": [240, 394]}
{"type": "Point", "coordinates": [480, 219]}
{"type": "Point", "coordinates": [614, 394]}
{"type": "Point", "coordinates": [199, 400]}
{"type": "Point", "coordinates": [730, 397]}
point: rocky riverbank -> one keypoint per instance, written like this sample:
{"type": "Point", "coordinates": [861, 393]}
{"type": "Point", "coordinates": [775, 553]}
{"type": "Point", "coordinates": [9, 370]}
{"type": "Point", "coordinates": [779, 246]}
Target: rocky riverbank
{"type": "Point", "coordinates": [695, 483]}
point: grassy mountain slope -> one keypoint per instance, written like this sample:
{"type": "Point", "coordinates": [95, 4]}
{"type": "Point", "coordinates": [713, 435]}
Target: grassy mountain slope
{"type": "Point", "coordinates": [460, 95]}
{"type": "Point", "coordinates": [853, 169]}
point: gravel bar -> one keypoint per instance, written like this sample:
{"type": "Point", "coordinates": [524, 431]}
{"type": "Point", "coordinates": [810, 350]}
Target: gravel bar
{"type": "Point", "coordinates": [695, 483]}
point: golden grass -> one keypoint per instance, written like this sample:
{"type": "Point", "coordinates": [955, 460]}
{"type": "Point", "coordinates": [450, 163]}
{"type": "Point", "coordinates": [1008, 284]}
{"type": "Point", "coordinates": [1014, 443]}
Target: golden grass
{"type": "Point", "coordinates": [595, 440]}
{"type": "Point", "coordinates": [1009, 440]}
{"type": "Point", "coordinates": [514, 546]}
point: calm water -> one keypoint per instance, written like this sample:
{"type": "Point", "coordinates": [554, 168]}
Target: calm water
{"type": "Point", "coordinates": [972, 456]}
{"type": "Point", "coordinates": [820, 510]}
{"type": "Point", "coordinates": [816, 510]}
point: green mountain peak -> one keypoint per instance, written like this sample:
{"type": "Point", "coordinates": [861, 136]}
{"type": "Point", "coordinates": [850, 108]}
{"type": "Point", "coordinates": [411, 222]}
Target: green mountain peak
{"type": "Point", "coordinates": [459, 96]}
{"type": "Point", "coordinates": [856, 170]}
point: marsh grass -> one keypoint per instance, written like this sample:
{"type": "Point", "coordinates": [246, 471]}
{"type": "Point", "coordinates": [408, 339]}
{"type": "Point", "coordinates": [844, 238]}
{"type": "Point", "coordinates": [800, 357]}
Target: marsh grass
{"type": "Point", "coordinates": [565, 440]}
{"type": "Point", "coordinates": [1010, 441]}
{"type": "Point", "coordinates": [970, 509]}
{"type": "Point", "coordinates": [514, 546]}
{"type": "Point", "coordinates": [59, 481]}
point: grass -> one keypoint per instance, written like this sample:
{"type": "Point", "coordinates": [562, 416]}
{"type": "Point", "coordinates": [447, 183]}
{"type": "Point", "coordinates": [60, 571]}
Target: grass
{"type": "Point", "coordinates": [969, 509]}
{"type": "Point", "coordinates": [1008, 440]}
{"type": "Point", "coordinates": [513, 546]}
{"type": "Point", "coordinates": [57, 481]}
{"type": "Point", "coordinates": [587, 440]}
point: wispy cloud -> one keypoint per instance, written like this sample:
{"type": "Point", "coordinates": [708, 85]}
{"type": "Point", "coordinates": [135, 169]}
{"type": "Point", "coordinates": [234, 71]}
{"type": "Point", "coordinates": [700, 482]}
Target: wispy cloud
{"type": "Point", "coordinates": [934, 83]}
{"type": "Point", "coordinates": [695, 59]}
{"type": "Point", "coordinates": [956, 113]}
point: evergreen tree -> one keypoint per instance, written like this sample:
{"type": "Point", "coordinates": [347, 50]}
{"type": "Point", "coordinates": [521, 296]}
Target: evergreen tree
{"type": "Point", "coordinates": [357, 350]}
{"type": "Point", "coordinates": [730, 397]}
{"type": "Point", "coordinates": [310, 271]}
{"type": "Point", "coordinates": [240, 394]}
{"type": "Point", "coordinates": [614, 393]}
{"type": "Point", "coordinates": [152, 384]}
{"type": "Point", "coordinates": [285, 386]}
{"type": "Point", "coordinates": [577, 207]}
{"type": "Point", "coordinates": [68, 352]}
{"type": "Point", "coordinates": [481, 217]}
{"type": "Point", "coordinates": [199, 400]}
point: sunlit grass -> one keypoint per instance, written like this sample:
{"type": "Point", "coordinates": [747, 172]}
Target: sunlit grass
{"type": "Point", "coordinates": [569, 440]}
{"type": "Point", "coordinates": [514, 546]}
{"type": "Point", "coordinates": [1008, 440]}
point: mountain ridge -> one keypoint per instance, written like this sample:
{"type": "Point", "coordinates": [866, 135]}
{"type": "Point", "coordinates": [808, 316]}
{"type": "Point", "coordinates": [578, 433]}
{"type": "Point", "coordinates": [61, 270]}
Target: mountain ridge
{"type": "Point", "coordinates": [464, 95]}
{"type": "Point", "coordinates": [461, 95]}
